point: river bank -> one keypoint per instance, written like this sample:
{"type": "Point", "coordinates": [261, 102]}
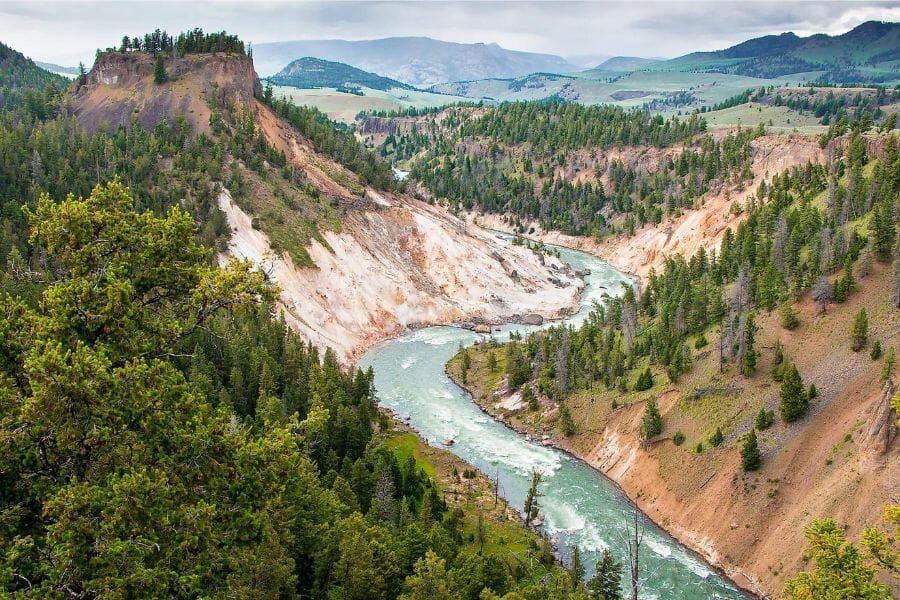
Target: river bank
{"type": "Point", "coordinates": [749, 524]}
{"type": "Point", "coordinates": [548, 436]}
{"type": "Point", "coordinates": [581, 507]}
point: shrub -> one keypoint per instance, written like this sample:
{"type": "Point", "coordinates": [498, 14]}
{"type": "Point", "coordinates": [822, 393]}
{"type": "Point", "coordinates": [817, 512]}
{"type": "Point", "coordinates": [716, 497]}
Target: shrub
{"type": "Point", "coordinates": [876, 350]}
{"type": "Point", "coordinates": [716, 439]}
{"type": "Point", "coordinates": [764, 418]}
{"type": "Point", "coordinates": [644, 381]}
{"type": "Point", "coordinates": [789, 318]}
{"type": "Point", "coordinates": [678, 438]}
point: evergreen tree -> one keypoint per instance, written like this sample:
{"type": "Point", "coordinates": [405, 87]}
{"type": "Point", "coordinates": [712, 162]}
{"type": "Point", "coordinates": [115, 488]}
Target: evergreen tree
{"type": "Point", "coordinates": [577, 567]}
{"type": "Point", "coordinates": [793, 397]}
{"type": "Point", "coordinates": [751, 459]}
{"type": "Point", "coordinates": [717, 438]}
{"type": "Point", "coordinates": [651, 423]}
{"type": "Point", "coordinates": [159, 71]}
{"type": "Point", "coordinates": [859, 332]}
{"type": "Point", "coordinates": [531, 507]}
{"type": "Point", "coordinates": [764, 419]}
{"type": "Point", "coordinates": [748, 358]}
{"type": "Point", "coordinates": [876, 350]}
{"type": "Point", "coordinates": [606, 584]}
{"type": "Point", "coordinates": [840, 571]}
{"type": "Point", "coordinates": [566, 424]}
{"type": "Point", "coordinates": [789, 318]}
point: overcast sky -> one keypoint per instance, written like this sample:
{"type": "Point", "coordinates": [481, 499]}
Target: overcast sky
{"type": "Point", "coordinates": [66, 32]}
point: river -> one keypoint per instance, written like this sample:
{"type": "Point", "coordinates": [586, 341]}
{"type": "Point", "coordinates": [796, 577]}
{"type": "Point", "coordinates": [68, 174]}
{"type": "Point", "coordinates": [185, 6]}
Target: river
{"type": "Point", "coordinates": [580, 505]}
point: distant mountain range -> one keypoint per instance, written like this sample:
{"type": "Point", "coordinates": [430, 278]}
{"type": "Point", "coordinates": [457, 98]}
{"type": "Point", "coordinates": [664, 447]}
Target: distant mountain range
{"type": "Point", "coordinates": [418, 61]}
{"type": "Point", "coordinates": [308, 72]}
{"type": "Point", "coordinates": [69, 72]}
{"type": "Point", "coordinates": [869, 53]}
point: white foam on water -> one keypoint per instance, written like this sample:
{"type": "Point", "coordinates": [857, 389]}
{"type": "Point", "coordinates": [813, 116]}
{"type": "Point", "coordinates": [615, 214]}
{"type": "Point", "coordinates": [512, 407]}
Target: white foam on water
{"type": "Point", "coordinates": [659, 548]}
{"type": "Point", "coordinates": [408, 362]}
{"type": "Point", "coordinates": [562, 517]}
{"type": "Point", "coordinates": [590, 539]}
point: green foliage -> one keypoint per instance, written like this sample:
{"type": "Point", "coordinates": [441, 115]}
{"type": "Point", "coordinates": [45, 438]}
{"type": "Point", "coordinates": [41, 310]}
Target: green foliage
{"type": "Point", "coordinates": [887, 369]}
{"type": "Point", "coordinates": [859, 331]}
{"type": "Point", "coordinates": [748, 357]}
{"type": "Point", "coordinates": [764, 419]}
{"type": "Point", "coordinates": [576, 568]}
{"type": "Point", "coordinates": [606, 584]}
{"type": "Point", "coordinates": [22, 83]}
{"type": "Point", "coordinates": [839, 571]}
{"type": "Point", "coordinates": [566, 424]}
{"type": "Point", "coordinates": [531, 507]}
{"type": "Point", "coordinates": [194, 41]}
{"type": "Point", "coordinates": [651, 422]}
{"type": "Point", "coordinates": [751, 459]}
{"type": "Point", "coordinates": [309, 72]}
{"type": "Point", "coordinates": [789, 318]}
{"type": "Point", "coordinates": [159, 70]}
{"type": "Point", "coordinates": [875, 354]}
{"type": "Point", "coordinates": [336, 142]}
{"type": "Point", "coordinates": [678, 438]}
{"type": "Point", "coordinates": [644, 381]}
{"type": "Point", "coordinates": [716, 439]}
{"type": "Point", "coordinates": [794, 400]}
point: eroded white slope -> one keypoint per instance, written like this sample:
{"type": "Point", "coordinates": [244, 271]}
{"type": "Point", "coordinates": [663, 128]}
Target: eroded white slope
{"type": "Point", "coordinates": [403, 265]}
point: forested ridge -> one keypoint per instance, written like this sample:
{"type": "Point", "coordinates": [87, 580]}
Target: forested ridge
{"type": "Point", "coordinates": [519, 159]}
{"type": "Point", "coordinates": [163, 433]}
{"type": "Point", "coordinates": [23, 81]}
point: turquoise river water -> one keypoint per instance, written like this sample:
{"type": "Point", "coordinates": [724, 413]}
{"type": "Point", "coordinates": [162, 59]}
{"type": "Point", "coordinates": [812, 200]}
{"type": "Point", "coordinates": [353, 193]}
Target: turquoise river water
{"type": "Point", "coordinates": [580, 505]}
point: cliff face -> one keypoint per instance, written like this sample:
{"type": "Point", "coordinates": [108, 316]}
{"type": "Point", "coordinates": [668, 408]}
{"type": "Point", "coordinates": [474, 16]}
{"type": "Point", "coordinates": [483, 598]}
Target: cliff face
{"type": "Point", "coordinates": [396, 262]}
{"type": "Point", "coordinates": [121, 86]}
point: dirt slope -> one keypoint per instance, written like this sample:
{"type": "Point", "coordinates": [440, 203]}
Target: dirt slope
{"type": "Point", "coordinates": [400, 266]}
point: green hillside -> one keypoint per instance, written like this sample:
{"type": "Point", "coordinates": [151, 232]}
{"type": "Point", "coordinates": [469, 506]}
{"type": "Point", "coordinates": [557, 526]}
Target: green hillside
{"type": "Point", "coordinates": [19, 73]}
{"type": "Point", "coordinates": [869, 53]}
{"type": "Point", "coordinates": [309, 72]}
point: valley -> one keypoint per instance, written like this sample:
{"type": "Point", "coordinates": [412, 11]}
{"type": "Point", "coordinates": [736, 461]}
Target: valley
{"type": "Point", "coordinates": [433, 320]}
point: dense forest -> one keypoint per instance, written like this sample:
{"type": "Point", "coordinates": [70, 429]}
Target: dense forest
{"type": "Point", "coordinates": [514, 160]}
{"type": "Point", "coordinates": [23, 82]}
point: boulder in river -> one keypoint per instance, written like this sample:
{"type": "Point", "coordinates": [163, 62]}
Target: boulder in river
{"type": "Point", "coordinates": [533, 319]}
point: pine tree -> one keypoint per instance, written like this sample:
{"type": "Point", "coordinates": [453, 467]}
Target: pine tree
{"type": "Point", "coordinates": [859, 332]}
{"type": "Point", "coordinates": [606, 584]}
{"type": "Point", "coordinates": [531, 500]}
{"type": "Point", "coordinates": [748, 358]}
{"type": "Point", "coordinates": [751, 459]}
{"type": "Point", "coordinates": [876, 350]}
{"type": "Point", "coordinates": [577, 568]}
{"type": "Point", "coordinates": [789, 318]}
{"type": "Point", "coordinates": [159, 71]}
{"type": "Point", "coordinates": [566, 424]}
{"type": "Point", "coordinates": [793, 397]}
{"type": "Point", "coordinates": [651, 424]}
{"type": "Point", "coordinates": [764, 419]}
{"type": "Point", "coordinates": [884, 229]}
{"type": "Point", "coordinates": [717, 438]}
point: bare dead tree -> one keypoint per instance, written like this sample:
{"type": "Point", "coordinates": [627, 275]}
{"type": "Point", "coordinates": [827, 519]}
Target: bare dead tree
{"type": "Point", "coordinates": [633, 540]}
